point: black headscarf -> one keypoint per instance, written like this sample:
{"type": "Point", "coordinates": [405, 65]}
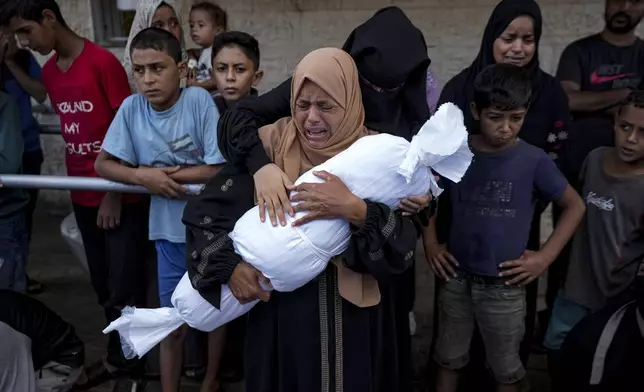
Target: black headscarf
{"type": "Point", "coordinates": [461, 91]}
{"type": "Point", "coordinates": [395, 62]}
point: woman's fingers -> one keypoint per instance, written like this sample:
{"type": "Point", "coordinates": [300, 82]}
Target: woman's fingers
{"type": "Point", "coordinates": [306, 206]}
{"type": "Point", "coordinates": [285, 202]}
{"type": "Point", "coordinates": [262, 208]}
{"type": "Point", "coordinates": [308, 218]}
{"type": "Point", "coordinates": [271, 211]}
{"type": "Point", "coordinates": [279, 211]}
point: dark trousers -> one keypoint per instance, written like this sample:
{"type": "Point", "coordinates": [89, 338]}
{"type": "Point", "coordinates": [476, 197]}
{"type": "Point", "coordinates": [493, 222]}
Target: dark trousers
{"type": "Point", "coordinates": [31, 163]}
{"type": "Point", "coordinates": [117, 264]}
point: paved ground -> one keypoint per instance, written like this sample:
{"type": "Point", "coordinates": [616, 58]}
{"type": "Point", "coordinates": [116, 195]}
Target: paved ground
{"type": "Point", "coordinates": [69, 293]}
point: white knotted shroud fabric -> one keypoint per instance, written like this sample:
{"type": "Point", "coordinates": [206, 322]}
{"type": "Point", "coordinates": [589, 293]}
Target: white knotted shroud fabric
{"type": "Point", "coordinates": [381, 168]}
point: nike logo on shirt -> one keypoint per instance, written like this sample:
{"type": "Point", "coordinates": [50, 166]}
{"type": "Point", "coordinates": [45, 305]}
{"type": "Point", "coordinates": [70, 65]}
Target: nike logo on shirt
{"type": "Point", "coordinates": [596, 79]}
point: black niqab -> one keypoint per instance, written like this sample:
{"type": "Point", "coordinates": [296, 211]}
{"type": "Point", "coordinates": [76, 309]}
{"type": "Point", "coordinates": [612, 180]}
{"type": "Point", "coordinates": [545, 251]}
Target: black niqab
{"type": "Point", "coordinates": [504, 13]}
{"type": "Point", "coordinates": [397, 64]}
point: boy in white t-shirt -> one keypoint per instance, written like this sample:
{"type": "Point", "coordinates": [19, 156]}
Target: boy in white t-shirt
{"type": "Point", "coordinates": [207, 20]}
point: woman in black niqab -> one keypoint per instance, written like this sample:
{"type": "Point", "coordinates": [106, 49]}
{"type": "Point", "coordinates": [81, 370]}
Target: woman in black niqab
{"type": "Point", "coordinates": [391, 57]}
{"type": "Point", "coordinates": [545, 126]}
{"type": "Point", "coordinates": [393, 72]}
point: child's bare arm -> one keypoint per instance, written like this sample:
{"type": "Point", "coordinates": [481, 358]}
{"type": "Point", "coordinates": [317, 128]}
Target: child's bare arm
{"type": "Point", "coordinates": [111, 168]}
{"type": "Point", "coordinates": [439, 259]}
{"type": "Point", "coordinates": [573, 209]}
{"type": "Point", "coordinates": [156, 180]}
{"type": "Point", "coordinates": [195, 174]}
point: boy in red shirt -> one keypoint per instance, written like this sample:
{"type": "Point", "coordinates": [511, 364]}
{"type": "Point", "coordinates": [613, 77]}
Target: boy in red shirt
{"type": "Point", "coordinates": [86, 85]}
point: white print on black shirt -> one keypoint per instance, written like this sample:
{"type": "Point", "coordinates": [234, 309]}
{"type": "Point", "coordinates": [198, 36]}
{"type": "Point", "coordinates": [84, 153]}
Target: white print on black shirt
{"type": "Point", "coordinates": [73, 128]}
{"type": "Point", "coordinates": [600, 202]}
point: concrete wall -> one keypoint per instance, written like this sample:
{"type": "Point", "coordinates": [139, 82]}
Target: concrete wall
{"type": "Point", "coordinates": [288, 29]}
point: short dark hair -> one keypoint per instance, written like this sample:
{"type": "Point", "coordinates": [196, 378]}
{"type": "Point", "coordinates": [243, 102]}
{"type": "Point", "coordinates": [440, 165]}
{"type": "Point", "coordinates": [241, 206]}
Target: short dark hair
{"type": "Point", "coordinates": [157, 39]}
{"type": "Point", "coordinates": [217, 14]}
{"type": "Point", "coordinates": [29, 10]}
{"type": "Point", "coordinates": [635, 98]}
{"type": "Point", "coordinates": [502, 86]}
{"type": "Point", "coordinates": [244, 41]}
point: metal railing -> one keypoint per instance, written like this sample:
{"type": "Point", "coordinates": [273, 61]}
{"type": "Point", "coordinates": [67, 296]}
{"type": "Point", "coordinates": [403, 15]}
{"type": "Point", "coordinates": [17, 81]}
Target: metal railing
{"type": "Point", "coordinates": [28, 181]}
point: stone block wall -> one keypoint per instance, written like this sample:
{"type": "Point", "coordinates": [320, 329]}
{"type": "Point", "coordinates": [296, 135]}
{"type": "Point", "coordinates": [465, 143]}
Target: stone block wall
{"type": "Point", "coordinates": [288, 29]}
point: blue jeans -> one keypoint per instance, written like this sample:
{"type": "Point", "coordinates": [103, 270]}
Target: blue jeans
{"type": "Point", "coordinates": [498, 310]}
{"type": "Point", "coordinates": [13, 253]}
{"type": "Point", "coordinates": [565, 315]}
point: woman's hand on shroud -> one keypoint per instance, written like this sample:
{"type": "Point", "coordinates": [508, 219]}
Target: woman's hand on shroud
{"type": "Point", "coordinates": [245, 285]}
{"type": "Point", "coordinates": [329, 199]}
{"type": "Point", "coordinates": [271, 186]}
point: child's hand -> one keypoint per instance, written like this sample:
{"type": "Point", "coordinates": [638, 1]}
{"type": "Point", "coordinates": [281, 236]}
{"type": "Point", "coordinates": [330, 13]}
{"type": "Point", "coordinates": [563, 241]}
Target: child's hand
{"type": "Point", "coordinates": [525, 269]}
{"type": "Point", "coordinates": [415, 204]}
{"type": "Point", "coordinates": [109, 213]}
{"type": "Point", "coordinates": [270, 187]}
{"type": "Point", "coordinates": [244, 284]}
{"type": "Point", "coordinates": [157, 181]}
{"type": "Point", "coordinates": [441, 261]}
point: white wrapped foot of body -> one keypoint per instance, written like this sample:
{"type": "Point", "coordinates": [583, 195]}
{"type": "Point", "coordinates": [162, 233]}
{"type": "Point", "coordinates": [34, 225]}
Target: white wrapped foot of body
{"type": "Point", "coordinates": [381, 168]}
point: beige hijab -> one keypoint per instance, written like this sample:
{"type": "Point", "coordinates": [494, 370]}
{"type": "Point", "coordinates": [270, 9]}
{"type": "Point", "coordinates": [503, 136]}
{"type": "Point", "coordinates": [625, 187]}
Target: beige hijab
{"type": "Point", "coordinates": [335, 72]}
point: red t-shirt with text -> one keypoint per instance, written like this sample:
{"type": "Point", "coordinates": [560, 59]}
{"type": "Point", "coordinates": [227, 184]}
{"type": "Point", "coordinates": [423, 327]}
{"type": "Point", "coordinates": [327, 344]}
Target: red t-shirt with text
{"type": "Point", "coordinates": [86, 98]}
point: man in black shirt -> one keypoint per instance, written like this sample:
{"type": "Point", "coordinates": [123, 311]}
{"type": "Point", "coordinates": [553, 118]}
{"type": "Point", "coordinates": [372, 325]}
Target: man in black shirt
{"type": "Point", "coordinates": [597, 72]}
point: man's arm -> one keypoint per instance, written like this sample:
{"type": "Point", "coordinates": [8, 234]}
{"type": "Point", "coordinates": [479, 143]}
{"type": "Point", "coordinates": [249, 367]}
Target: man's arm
{"type": "Point", "coordinates": [592, 101]}
{"type": "Point", "coordinates": [571, 73]}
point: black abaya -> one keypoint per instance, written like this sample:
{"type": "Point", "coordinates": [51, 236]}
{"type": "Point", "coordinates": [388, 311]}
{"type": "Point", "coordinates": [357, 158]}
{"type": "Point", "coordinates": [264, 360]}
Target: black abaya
{"type": "Point", "coordinates": [313, 340]}
{"type": "Point", "coordinates": [302, 340]}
